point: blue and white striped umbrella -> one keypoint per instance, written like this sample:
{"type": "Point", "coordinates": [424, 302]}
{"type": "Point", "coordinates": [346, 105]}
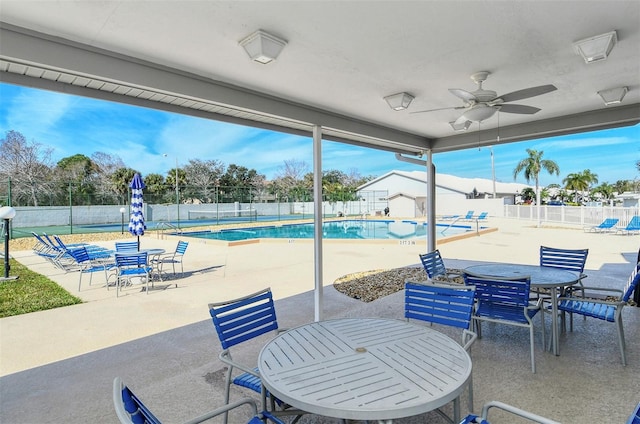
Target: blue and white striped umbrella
{"type": "Point", "coordinates": [136, 223]}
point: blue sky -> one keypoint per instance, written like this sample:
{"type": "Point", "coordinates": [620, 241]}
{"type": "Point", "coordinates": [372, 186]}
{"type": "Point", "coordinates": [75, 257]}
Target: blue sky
{"type": "Point", "coordinates": [141, 137]}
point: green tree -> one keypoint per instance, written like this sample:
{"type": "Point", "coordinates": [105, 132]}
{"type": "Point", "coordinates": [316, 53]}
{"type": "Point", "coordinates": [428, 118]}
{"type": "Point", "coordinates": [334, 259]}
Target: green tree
{"type": "Point", "coordinates": [532, 166]}
{"type": "Point", "coordinates": [579, 182]}
{"type": "Point", "coordinates": [120, 180]}
{"type": "Point", "coordinates": [605, 190]}
{"type": "Point", "coordinates": [79, 171]}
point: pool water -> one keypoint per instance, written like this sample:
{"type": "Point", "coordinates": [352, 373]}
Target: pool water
{"type": "Point", "coordinates": [345, 230]}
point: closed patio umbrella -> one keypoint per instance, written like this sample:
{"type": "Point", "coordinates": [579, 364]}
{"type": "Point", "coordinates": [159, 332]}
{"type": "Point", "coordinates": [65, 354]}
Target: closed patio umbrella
{"type": "Point", "coordinates": [136, 222]}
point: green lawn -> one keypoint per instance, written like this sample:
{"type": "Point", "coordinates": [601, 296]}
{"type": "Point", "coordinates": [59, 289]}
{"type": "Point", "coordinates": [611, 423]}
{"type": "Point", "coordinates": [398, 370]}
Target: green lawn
{"type": "Point", "coordinates": [31, 292]}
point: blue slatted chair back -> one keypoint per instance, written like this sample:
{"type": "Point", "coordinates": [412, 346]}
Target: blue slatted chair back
{"type": "Point", "coordinates": [80, 255]}
{"type": "Point", "coordinates": [469, 215]}
{"type": "Point", "coordinates": [634, 418]}
{"type": "Point", "coordinates": [181, 247]}
{"type": "Point", "coordinates": [243, 319]}
{"type": "Point", "coordinates": [433, 264]}
{"type": "Point", "coordinates": [134, 409]}
{"type": "Point", "coordinates": [634, 224]}
{"type": "Point", "coordinates": [500, 298]}
{"type": "Point", "coordinates": [632, 283]}
{"type": "Point", "coordinates": [482, 216]}
{"type": "Point", "coordinates": [608, 223]}
{"type": "Point", "coordinates": [126, 245]}
{"type": "Point", "coordinates": [446, 305]}
{"type": "Point", "coordinates": [134, 260]}
{"type": "Point", "coordinates": [569, 259]}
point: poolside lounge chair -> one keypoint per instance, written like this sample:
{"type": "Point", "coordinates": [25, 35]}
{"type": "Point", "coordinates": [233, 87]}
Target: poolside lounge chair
{"type": "Point", "coordinates": [606, 226]}
{"type": "Point", "coordinates": [632, 227]}
{"type": "Point", "coordinates": [130, 409]}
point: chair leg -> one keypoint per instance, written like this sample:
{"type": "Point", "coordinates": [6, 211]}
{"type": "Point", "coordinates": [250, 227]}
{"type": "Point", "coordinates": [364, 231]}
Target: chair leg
{"type": "Point", "coordinates": [621, 341]}
{"type": "Point", "coordinates": [226, 394]}
{"type": "Point", "coordinates": [543, 330]}
{"type": "Point", "coordinates": [533, 358]}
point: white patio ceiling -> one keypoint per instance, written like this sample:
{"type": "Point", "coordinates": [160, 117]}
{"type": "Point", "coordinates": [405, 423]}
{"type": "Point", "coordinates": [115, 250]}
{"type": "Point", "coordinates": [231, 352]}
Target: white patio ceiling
{"type": "Point", "coordinates": [341, 59]}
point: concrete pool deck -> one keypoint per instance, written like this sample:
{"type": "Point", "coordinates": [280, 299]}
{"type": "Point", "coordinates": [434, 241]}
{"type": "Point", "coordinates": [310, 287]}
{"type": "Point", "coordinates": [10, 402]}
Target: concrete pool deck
{"type": "Point", "coordinates": [163, 343]}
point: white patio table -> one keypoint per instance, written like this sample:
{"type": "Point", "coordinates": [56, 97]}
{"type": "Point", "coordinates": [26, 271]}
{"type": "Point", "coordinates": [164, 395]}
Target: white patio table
{"type": "Point", "coordinates": [541, 277]}
{"type": "Point", "coordinates": [365, 369]}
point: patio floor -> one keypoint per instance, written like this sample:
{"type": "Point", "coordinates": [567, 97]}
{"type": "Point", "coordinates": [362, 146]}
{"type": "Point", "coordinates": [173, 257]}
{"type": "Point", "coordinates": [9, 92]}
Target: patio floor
{"type": "Point", "coordinates": [58, 366]}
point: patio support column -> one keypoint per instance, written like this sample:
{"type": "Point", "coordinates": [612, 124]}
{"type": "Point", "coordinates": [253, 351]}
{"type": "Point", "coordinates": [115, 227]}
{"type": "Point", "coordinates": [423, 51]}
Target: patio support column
{"type": "Point", "coordinates": [431, 202]}
{"type": "Point", "coordinates": [317, 221]}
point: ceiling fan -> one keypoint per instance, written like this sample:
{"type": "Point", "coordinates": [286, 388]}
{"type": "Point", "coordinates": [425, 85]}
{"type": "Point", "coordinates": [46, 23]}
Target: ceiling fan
{"type": "Point", "coordinates": [482, 104]}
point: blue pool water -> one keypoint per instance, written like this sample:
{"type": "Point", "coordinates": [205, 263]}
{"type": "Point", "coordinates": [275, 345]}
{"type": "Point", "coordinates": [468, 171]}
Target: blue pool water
{"type": "Point", "coordinates": [347, 229]}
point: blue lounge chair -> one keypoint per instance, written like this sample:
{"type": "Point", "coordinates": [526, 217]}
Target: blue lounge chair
{"type": "Point", "coordinates": [482, 216]}
{"type": "Point", "coordinates": [606, 226]}
{"type": "Point", "coordinates": [632, 227]}
{"type": "Point", "coordinates": [483, 419]}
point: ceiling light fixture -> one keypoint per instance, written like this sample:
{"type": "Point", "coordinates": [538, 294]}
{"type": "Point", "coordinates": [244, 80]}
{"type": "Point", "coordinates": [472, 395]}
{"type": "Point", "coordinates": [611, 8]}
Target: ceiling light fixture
{"type": "Point", "coordinates": [262, 47]}
{"type": "Point", "coordinates": [460, 127]}
{"type": "Point", "coordinates": [613, 96]}
{"type": "Point", "coordinates": [594, 49]}
{"type": "Point", "coordinates": [399, 101]}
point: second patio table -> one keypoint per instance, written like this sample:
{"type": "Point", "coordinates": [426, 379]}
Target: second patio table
{"type": "Point", "coordinates": [542, 277]}
{"type": "Point", "coordinates": [365, 369]}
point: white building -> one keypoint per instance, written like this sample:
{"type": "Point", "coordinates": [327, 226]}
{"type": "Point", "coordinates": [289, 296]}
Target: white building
{"type": "Point", "coordinates": [406, 194]}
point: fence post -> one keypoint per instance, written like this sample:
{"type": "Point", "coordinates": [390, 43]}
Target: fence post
{"type": "Point", "coordinates": [70, 210]}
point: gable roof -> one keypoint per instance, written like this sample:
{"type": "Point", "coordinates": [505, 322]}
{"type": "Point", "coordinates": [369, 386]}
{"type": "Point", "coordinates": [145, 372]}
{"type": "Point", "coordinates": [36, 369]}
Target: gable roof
{"type": "Point", "coordinates": [454, 183]}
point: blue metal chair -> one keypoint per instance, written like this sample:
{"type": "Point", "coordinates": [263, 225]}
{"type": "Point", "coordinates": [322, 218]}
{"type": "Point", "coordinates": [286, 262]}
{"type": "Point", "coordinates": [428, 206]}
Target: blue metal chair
{"type": "Point", "coordinates": [604, 227]}
{"type": "Point", "coordinates": [601, 308]}
{"type": "Point", "coordinates": [237, 321]}
{"type": "Point", "coordinates": [173, 258]}
{"type": "Point", "coordinates": [505, 301]}
{"type": "Point", "coordinates": [122, 246]}
{"type": "Point", "coordinates": [132, 265]}
{"type": "Point", "coordinates": [130, 409]}
{"type": "Point", "coordinates": [483, 419]}
{"type": "Point", "coordinates": [450, 305]}
{"type": "Point", "coordinates": [434, 266]}
{"type": "Point", "coordinates": [634, 418]}
{"type": "Point", "coordinates": [632, 227]}
{"type": "Point", "coordinates": [568, 259]}
{"type": "Point", "coordinates": [88, 265]}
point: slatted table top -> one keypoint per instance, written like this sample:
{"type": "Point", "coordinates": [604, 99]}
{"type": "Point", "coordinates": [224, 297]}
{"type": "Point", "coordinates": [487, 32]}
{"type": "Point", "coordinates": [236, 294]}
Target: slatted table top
{"type": "Point", "coordinates": [541, 276]}
{"type": "Point", "coordinates": [364, 368]}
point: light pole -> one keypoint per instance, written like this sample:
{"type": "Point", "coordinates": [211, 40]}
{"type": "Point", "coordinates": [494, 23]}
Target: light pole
{"type": "Point", "coordinates": [493, 172]}
{"type": "Point", "coordinates": [7, 213]}
{"type": "Point", "coordinates": [122, 211]}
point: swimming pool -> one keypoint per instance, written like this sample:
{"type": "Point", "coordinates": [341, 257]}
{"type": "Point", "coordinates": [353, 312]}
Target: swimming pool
{"type": "Point", "coordinates": [345, 230]}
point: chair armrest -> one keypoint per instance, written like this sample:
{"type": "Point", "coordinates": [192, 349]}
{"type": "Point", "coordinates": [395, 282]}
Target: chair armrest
{"type": "Point", "coordinates": [468, 338]}
{"type": "Point", "coordinates": [592, 300]}
{"type": "Point", "coordinates": [225, 357]}
{"type": "Point", "coordinates": [226, 408]}
{"type": "Point", "coordinates": [586, 290]}
{"type": "Point", "coordinates": [515, 411]}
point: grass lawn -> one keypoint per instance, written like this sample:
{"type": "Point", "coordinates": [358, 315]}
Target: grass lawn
{"type": "Point", "coordinates": [31, 292]}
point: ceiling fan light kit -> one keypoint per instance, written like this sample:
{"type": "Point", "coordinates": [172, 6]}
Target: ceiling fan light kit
{"type": "Point", "coordinates": [597, 48]}
{"type": "Point", "coordinates": [262, 47]}
{"type": "Point", "coordinates": [482, 104]}
{"type": "Point", "coordinates": [399, 101]}
{"type": "Point", "coordinates": [613, 96]}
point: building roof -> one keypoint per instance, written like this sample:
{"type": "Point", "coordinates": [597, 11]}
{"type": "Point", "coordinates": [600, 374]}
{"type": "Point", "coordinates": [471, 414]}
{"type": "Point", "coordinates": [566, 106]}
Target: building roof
{"type": "Point", "coordinates": [454, 183]}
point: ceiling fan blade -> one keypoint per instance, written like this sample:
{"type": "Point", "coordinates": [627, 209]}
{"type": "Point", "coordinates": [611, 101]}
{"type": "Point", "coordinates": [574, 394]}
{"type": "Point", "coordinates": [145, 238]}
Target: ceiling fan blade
{"type": "Point", "coordinates": [441, 108]}
{"type": "Point", "coordinates": [521, 109]}
{"type": "Point", "coordinates": [527, 92]}
{"type": "Point", "coordinates": [463, 94]}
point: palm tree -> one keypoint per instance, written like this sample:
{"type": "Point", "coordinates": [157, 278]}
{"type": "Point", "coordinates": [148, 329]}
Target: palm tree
{"type": "Point", "coordinates": [580, 182]}
{"type": "Point", "coordinates": [532, 166]}
{"type": "Point", "coordinates": [606, 190]}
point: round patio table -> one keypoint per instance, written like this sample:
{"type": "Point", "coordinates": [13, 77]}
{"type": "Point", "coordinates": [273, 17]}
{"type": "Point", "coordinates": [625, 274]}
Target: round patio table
{"type": "Point", "coordinates": [365, 369]}
{"type": "Point", "coordinates": [542, 277]}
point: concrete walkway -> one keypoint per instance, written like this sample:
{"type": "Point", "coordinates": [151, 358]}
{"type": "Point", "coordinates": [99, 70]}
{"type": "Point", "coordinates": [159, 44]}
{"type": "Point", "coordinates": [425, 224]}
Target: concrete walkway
{"type": "Point", "coordinates": [58, 365]}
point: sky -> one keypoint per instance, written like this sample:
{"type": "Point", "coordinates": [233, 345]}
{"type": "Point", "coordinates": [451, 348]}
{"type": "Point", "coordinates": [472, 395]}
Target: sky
{"type": "Point", "coordinates": [152, 141]}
